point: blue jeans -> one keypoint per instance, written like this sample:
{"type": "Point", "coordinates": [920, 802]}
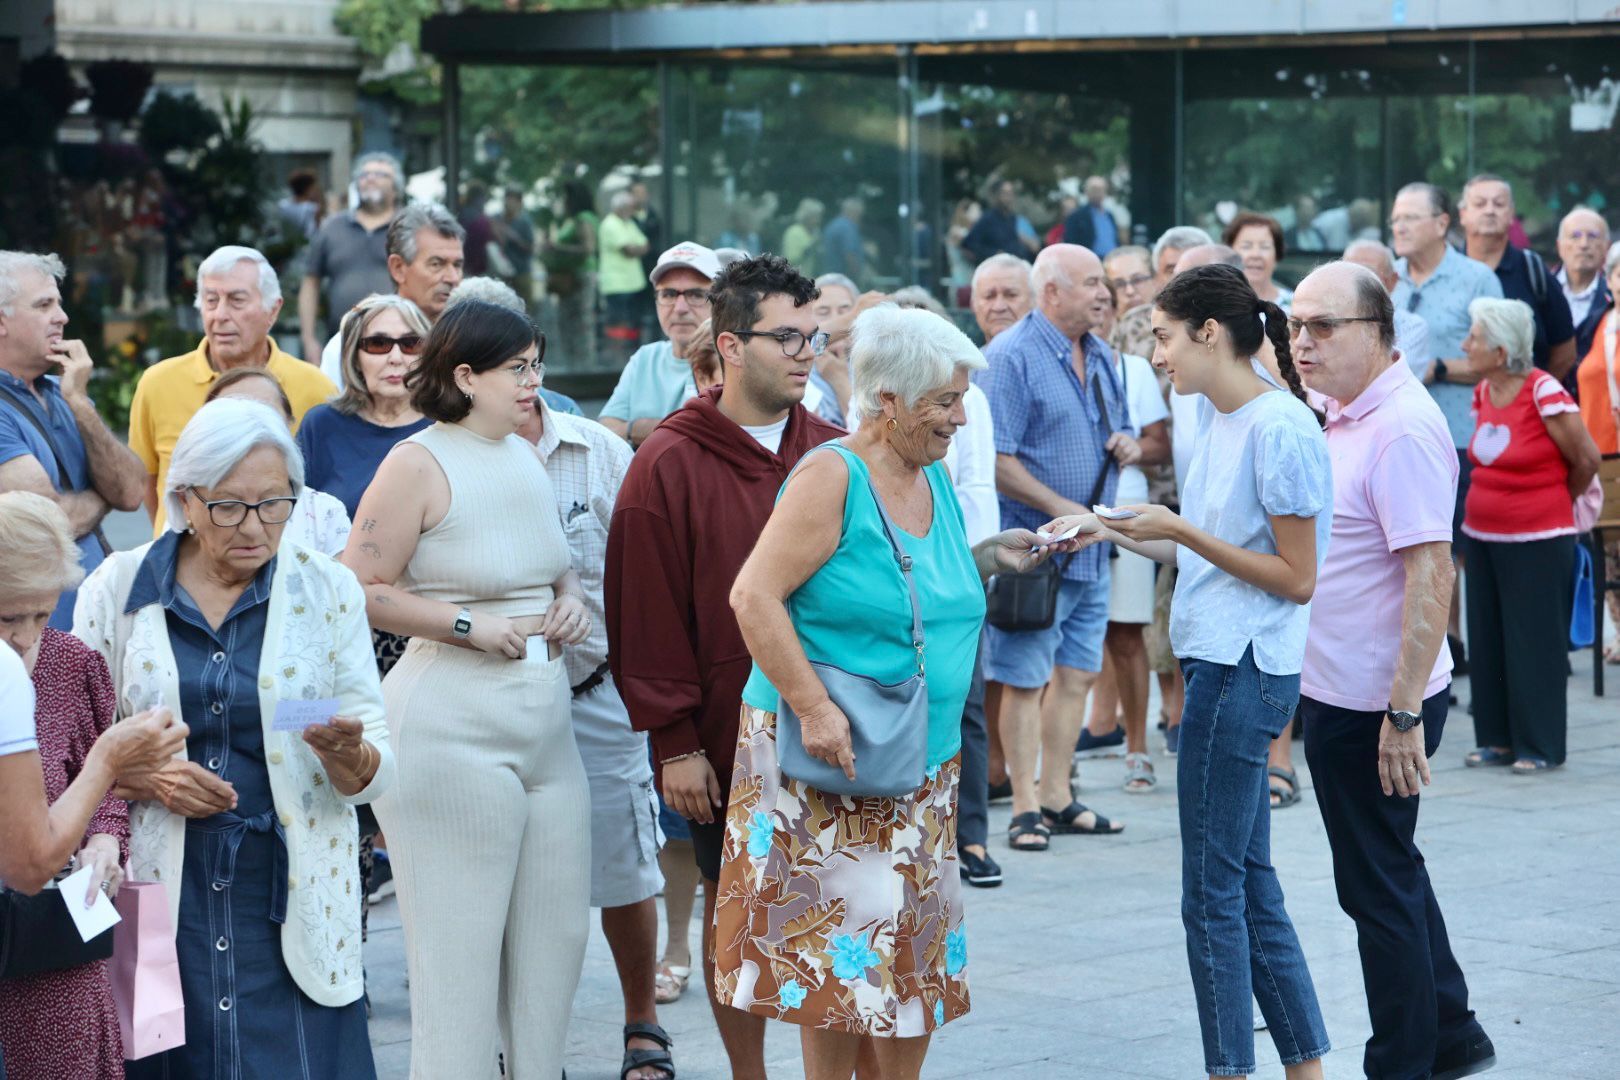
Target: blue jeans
{"type": "Point", "coordinates": [1240, 942]}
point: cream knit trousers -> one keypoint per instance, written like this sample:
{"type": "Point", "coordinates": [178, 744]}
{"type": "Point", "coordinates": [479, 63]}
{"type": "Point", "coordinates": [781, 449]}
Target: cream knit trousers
{"type": "Point", "coordinates": [488, 828]}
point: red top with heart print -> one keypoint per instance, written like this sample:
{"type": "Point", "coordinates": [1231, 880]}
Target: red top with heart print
{"type": "Point", "coordinates": [1520, 485]}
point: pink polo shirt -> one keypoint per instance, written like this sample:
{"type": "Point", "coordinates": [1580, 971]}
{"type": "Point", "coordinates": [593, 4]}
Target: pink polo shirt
{"type": "Point", "coordinates": [1394, 485]}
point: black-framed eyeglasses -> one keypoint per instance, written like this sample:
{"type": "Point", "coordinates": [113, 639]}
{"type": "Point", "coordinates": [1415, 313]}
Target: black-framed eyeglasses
{"type": "Point", "coordinates": [693, 297]}
{"type": "Point", "coordinates": [229, 513]}
{"type": "Point", "coordinates": [1323, 328]}
{"type": "Point", "coordinates": [792, 341]}
{"type": "Point", "coordinates": [382, 344]}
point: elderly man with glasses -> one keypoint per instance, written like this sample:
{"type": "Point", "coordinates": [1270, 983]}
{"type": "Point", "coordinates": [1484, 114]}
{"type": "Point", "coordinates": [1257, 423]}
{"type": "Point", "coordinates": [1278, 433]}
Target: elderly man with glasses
{"type": "Point", "coordinates": [1583, 240]}
{"type": "Point", "coordinates": [1438, 282]}
{"type": "Point", "coordinates": [658, 376]}
{"type": "Point", "coordinates": [348, 259]}
{"type": "Point", "coordinates": [1375, 684]}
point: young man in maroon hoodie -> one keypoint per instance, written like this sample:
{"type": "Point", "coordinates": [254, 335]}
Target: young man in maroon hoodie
{"type": "Point", "coordinates": [696, 498]}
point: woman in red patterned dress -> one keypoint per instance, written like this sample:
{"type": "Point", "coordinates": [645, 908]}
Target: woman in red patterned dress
{"type": "Point", "coordinates": [61, 1025]}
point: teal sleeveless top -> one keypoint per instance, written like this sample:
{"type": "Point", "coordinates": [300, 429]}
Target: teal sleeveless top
{"type": "Point", "coordinates": [855, 611]}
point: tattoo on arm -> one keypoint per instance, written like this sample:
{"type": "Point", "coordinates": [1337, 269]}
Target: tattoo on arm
{"type": "Point", "coordinates": [368, 525]}
{"type": "Point", "coordinates": [385, 601]}
{"type": "Point", "coordinates": [369, 548]}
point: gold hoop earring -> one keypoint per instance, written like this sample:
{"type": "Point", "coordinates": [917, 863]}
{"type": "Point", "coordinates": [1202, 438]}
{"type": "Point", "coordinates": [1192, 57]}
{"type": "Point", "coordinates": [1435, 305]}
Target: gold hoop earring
{"type": "Point", "coordinates": [893, 424]}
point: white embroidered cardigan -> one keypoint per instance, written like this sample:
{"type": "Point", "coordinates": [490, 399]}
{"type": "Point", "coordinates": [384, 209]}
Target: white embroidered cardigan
{"type": "Point", "coordinates": [317, 644]}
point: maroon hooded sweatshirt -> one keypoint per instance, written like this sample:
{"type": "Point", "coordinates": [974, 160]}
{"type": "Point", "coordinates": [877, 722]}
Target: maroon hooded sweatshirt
{"type": "Point", "coordinates": [697, 496]}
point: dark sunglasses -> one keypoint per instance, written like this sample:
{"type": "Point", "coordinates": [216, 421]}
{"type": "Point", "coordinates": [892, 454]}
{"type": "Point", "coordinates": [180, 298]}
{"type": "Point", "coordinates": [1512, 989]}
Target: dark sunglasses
{"type": "Point", "coordinates": [382, 344]}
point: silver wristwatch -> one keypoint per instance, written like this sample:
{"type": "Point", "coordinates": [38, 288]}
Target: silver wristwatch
{"type": "Point", "coordinates": [463, 624]}
{"type": "Point", "coordinates": [1404, 721]}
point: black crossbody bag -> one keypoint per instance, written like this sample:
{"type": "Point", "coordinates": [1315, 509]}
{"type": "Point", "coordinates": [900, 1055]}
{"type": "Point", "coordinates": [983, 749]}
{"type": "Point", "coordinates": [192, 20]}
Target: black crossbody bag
{"type": "Point", "coordinates": [37, 934]}
{"type": "Point", "coordinates": [1028, 600]}
{"type": "Point", "coordinates": [63, 482]}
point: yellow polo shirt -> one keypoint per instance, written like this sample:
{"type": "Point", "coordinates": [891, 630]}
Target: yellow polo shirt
{"type": "Point", "coordinates": [171, 391]}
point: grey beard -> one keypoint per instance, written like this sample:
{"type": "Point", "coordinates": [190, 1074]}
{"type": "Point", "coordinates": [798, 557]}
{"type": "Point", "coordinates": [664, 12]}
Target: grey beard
{"type": "Point", "coordinates": [373, 200]}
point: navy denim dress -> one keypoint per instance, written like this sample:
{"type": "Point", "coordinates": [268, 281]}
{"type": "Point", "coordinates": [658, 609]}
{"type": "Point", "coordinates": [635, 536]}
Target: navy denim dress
{"type": "Point", "coordinates": [245, 1017]}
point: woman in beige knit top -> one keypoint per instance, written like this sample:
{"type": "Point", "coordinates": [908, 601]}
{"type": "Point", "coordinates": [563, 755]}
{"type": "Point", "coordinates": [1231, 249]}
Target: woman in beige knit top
{"type": "Point", "coordinates": [459, 546]}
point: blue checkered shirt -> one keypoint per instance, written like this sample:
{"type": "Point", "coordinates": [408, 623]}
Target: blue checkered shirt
{"type": "Point", "coordinates": [1049, 421]}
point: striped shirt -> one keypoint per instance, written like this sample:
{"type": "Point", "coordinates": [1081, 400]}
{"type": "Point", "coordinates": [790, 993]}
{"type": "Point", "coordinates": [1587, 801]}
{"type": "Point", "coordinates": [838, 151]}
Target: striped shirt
{"type": "Point", "coordinates": [586, 463]}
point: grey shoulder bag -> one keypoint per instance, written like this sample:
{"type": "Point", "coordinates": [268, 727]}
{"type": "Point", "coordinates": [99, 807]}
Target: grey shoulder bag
{"type": "Point", "coordinates": [888, 723]}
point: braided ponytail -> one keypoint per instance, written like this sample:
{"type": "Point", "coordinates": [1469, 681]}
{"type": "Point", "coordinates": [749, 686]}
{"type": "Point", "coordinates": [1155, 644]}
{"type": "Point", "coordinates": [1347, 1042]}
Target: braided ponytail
{"type": "Point", "coordinates": [1277, 331]}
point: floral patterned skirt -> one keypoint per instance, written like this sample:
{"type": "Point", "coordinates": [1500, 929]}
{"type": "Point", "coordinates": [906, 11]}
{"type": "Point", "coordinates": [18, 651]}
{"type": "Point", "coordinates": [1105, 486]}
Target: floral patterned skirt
{"type": "Point", "coordinates": [837, 912]}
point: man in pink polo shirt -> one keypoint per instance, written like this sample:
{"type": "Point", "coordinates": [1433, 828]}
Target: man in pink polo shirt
{"type": "Point", "coordinates": [1374, 690]}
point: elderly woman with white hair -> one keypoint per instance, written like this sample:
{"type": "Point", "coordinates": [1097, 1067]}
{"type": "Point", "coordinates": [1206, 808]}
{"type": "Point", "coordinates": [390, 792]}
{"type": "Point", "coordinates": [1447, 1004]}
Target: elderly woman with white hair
{"type": "Point", "coordinates": [264, 649]}
{"type": "Point", "coordinates": [1532, 459]}
{"type": "Point", "coordinates": [840, 903]}
{"type": "Point", "coordinates": [58, 745]}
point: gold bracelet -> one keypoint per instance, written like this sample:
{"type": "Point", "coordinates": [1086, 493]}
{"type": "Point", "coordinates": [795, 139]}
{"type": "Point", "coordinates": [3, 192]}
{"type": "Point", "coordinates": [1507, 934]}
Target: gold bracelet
{"type": "Point", "coordinates": [366, 750]}
{"type": "Point", "coordinates": [683, 757]}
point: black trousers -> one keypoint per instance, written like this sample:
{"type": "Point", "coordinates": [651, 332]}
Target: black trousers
{"type": "Point", "coordinates": [1519, 597]}
{"type": "Point", "coordinates": [973, 792]}
{"type": "Point", "coordinates": [1417, 998]}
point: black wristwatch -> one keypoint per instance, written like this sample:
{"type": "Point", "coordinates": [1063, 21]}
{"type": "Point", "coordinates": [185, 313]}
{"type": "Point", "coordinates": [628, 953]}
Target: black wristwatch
{"type": "Point", "coordinates": [1404, 721]}
{"type": "Point", "coordinates": [1439, 371]}
{"type": "Point", "coordinates": [463, 624]}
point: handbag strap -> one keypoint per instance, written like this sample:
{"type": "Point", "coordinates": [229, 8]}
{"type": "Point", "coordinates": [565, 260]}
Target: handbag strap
{"type": "Point", "coordinates": [901, 558]}
{"type": "Point", "coordinates": [1108, 459]}
{"type": "Point", "coordinates": [904, 561]}
{"type": "Point", "coordinates": [64, 483]}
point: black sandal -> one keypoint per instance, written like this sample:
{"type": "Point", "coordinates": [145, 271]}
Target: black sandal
{"type": "Point", "coordinates": [1291, 795]}
{"type": "Point", "coordinates": [1065, 821]}
{"type": "Point", "coordinates": [647, 1059]}
{"type": "Point", "coordinates": [1028, 824]}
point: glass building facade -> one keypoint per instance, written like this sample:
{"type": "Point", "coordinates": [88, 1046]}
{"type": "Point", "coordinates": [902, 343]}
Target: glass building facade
{"type": "Point", "coordinates": [762, 149]}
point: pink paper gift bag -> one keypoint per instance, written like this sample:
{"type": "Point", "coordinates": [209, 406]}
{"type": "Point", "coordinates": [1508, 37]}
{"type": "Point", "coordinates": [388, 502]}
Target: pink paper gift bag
{"type": "Point", "coordinates": [146, 972]}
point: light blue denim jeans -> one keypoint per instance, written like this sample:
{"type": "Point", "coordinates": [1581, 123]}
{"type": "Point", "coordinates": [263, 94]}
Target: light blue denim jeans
{"type": "Point", "coordinates": [1240, 942]}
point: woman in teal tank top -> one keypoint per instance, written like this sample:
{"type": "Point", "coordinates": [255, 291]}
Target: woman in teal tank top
{"type": "Point", "coordinates": [843, 914]}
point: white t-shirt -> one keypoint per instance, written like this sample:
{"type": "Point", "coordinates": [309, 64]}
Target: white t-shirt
{"type": "Point", "coordinates": [1146, 406]}
{"type": "Point", "coordinates": [16, 705]}
{"type": "Point", "coordinates": [769, 435]}
{"type": "Point", "coordinates": [971, 461]}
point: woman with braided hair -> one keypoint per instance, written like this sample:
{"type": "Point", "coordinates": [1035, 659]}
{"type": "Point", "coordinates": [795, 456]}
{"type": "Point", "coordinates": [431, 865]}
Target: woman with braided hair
{"type": "Point", "coordinates": [1256, 512]}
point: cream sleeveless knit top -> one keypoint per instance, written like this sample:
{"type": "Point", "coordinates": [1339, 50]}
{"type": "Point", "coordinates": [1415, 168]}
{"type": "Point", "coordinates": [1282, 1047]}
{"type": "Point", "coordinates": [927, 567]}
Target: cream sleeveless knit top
{"type": "Point", "coordinates": [501, 544]}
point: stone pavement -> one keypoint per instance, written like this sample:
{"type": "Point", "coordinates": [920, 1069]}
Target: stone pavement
{"type": "Point", "coordinates": [1077, 962]}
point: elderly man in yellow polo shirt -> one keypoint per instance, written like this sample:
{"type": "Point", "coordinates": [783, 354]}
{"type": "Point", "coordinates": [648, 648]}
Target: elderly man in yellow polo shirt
{"type": "Point", "coordinates": [239, 297]}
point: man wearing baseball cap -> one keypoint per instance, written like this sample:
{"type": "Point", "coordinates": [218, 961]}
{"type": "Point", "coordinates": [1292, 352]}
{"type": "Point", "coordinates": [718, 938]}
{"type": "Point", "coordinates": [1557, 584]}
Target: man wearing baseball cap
{"type": "Point", "coordinates": [658, 378]}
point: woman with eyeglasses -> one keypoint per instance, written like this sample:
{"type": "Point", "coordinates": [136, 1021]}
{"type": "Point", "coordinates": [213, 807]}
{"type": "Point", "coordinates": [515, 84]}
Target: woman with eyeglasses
{"type": "Point", "coordinates": [1256, 512]}
{"type": "Point", "coordinates": [459, 544]}
{"type": "Point", "coordinates": [252, 828]}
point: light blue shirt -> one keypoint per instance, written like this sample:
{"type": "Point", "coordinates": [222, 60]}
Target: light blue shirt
{"type": "Point", "coordinates": [1105, 231]}
{"type": "Point", "coordinates": [654, 384]}
{"type": "Point", "coordinates": [1443, 302]}
{"type": "Point", "coordinates": [1268, 458]}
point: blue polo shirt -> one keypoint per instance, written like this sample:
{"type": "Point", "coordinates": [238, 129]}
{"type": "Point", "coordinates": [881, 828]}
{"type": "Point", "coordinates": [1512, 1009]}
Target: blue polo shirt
{"type": "Point", "coordinates": [19, 438]}
{"type": "Point", "coordinates": [1044, 417]}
